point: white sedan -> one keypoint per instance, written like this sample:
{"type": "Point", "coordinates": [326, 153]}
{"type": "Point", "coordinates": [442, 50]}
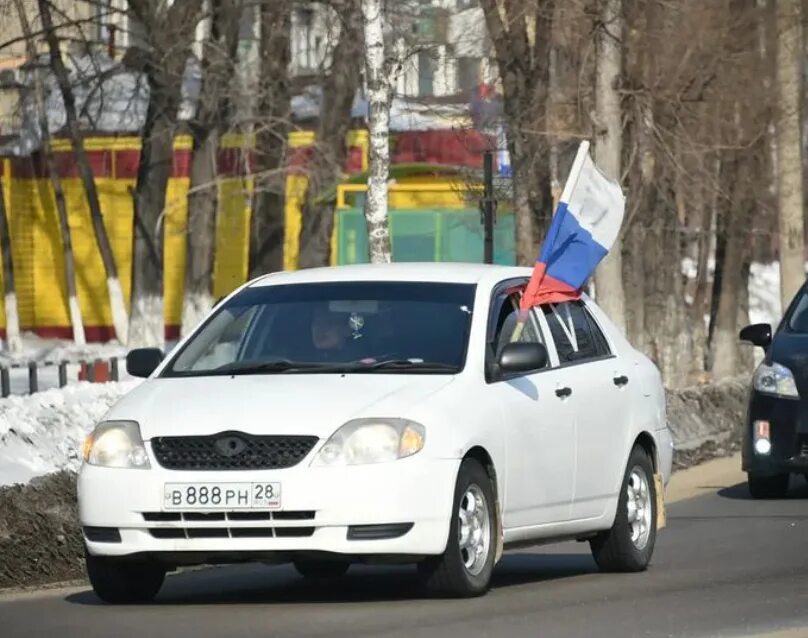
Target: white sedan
{"type": "Point", "coordinates": [378, 414]}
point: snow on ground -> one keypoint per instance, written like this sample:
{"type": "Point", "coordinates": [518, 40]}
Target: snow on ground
{"type": "Point", "coordinates": [764, 294]}
{"type": "Point", "coordinates": [35, 348]}
{"type": "Point", "coordinates": [764, 290]}
{"type": "Point", "coordinates": [43, 432]}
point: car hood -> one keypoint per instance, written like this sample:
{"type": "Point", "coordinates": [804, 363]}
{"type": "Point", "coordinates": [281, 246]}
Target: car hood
{"type": "Point", "coordinates": [314, 404]}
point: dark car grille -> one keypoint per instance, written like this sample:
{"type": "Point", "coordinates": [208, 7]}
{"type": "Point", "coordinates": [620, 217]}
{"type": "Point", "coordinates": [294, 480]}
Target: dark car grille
{"type": "Point", "coordinates": [231, 451]}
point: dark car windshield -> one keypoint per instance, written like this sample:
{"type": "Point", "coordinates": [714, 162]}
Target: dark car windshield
{"type": "Point", "coordinates": [798, 320]}
{"type": "Point", "coordinates": [330, 327]}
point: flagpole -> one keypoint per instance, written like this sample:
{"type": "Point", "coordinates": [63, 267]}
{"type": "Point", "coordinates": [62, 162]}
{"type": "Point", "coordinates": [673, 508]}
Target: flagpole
{"type": "Point", "coordinates": [569, 186]}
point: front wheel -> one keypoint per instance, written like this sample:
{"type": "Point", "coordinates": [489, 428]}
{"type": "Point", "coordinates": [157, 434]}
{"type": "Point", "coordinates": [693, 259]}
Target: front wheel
{"type": "Point", "coordinates": [629, 544]}
{"type": "Point", "coordinates": [124, 582]}
{"type": "Point", "coordinates": [767, 487]}
{"type": "Point", "coordinates": [465, 568]}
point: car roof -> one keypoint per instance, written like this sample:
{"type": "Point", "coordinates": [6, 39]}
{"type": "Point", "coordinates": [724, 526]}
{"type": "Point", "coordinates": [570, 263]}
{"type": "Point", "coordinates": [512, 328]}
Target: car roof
{"type": "Point", "coordinates": [442, 272]}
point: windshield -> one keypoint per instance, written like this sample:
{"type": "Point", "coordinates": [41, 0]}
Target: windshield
{"type": "Point", "coordinates": [798, 321]}
{"type": "Point", "coordinates": [329, 327]}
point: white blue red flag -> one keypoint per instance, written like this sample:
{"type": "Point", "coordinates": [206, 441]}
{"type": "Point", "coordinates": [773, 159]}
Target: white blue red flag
{"type": "Point", "coordinates": [585, 225]}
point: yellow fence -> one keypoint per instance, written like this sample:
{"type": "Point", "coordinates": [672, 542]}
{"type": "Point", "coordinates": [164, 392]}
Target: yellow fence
{"type": "Point", "coordinates": [37, 243]}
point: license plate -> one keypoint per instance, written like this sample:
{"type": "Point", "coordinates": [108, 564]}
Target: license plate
{"type": "Point", "coordinates": [221, 496]}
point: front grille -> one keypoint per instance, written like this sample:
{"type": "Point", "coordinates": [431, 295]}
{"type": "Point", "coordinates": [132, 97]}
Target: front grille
{"type": "Point", "coordinates": [230, 532]}
{"type": "Point", "coordinates": [235, 529]}
{"type": "Point", "coordinates": [231, 451]}
{"type": "Point", "coordinates": [175, 517]}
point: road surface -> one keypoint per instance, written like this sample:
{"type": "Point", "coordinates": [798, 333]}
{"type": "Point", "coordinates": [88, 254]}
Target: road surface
{"type": "Point", "coordinates": [724, 566]}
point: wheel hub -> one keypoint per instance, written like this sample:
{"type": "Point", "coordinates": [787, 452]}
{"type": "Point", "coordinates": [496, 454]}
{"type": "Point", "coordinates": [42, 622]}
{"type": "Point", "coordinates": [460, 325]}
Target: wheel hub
{"type": "Point", "coordinates": [639, 507]}
{"type": "Point", "coordinates": [474, 529]}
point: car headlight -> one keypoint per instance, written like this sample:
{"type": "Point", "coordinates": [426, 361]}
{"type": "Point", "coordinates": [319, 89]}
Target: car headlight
{"type": "Point", "coordinates": [775, 379]}
{"type": "Point", "coordinates": [116, 444]}
{"type": "Point", "coordinates": [371, 441]}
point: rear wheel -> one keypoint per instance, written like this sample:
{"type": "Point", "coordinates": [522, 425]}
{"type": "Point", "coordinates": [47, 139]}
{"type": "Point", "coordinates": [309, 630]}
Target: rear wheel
{"type": "Point", "coordinates": [321, 569]}
{"type": "Point", "coordinates": [124, 582]}
{"type": "Point", "coordinates": [465, 568]}
{"type": "Point", "coordinates": [767, 487]}
{"type": "Point", "coordinates": [629, 544]}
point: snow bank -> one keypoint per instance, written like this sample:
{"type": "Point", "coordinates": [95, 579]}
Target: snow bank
{"type": "Point", "coordinates": [764, 290]}
{"type": "Point", "coordinates": [35, 348]}
{"type": "Point", "coordinates": [43, 432]}
{"type": "Point", "coordinates": [764, 293]}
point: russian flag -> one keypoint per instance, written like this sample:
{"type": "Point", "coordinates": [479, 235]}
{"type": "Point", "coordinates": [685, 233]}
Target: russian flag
{"type": "Point", "coordinates": [585, 225]}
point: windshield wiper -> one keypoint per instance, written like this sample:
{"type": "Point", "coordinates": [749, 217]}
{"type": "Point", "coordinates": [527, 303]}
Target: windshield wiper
{"type": "Point", "coordinates": [273, 365]}
{"type": "Point", "coordinates": [409, 364]}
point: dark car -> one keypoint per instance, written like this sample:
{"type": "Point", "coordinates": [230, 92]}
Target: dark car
{"type": "Point", "coordinates": [775, 442]}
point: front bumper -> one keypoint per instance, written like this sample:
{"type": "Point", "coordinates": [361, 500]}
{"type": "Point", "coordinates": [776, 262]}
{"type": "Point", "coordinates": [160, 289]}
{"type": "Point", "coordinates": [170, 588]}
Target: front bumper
{"type": "Point", "coordinates": [319, 506]}
{"type": "Point", "coordinates": [788, 419]}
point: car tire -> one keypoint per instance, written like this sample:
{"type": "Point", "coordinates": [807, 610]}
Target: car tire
{"type": "Point", "coordinates": [629, 544]}
{"type": "Point", "coordinates": [463, 570]}
{"type": "Point", "coordinates": [124, 582]}
{"type": "Point", "coordinates": [768, 487]}
{"type": "Point", "coordinates": [321, 569]}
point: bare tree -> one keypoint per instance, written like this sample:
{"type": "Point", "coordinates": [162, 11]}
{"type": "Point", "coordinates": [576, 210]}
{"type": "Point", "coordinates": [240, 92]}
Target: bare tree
{"type": "Point", "coordinates": [380, 72]}
{"type": "Point", "coordinates": [609, 146]}
{"type": "Point", "coordinates": [520, 33]}
{"type": "Point", "coordinates": [56, 182]}
{"type": "Point", "coordinates": [169, 30]}
{"type": "Point", "coordinates": [338, 91]}
{"type": "Point", "coordinates": [272, 130]}
{"type": "Point", "coordinates": [116, 300]}
{"type": "Point", "coordinates": [789, 148]}
{"type": "Point", "coordinates": [207, 127]}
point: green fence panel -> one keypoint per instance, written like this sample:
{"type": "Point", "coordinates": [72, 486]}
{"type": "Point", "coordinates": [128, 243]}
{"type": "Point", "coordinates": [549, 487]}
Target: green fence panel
{"type": "Point", "coordinates": [448, 234]}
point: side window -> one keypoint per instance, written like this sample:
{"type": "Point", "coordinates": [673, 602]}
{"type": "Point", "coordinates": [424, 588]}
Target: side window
{"type": "Point", "coordinates": [506, 323]}
{"type": "Point", "coordinates": [576, 335]}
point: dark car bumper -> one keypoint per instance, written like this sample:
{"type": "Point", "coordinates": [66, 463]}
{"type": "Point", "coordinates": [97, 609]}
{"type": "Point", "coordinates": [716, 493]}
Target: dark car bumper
{"type": "Point", "coordinates": [788, 419]}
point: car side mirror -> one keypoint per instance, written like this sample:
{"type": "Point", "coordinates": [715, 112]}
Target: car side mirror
{"type": "Point", "coordinates": [522, 357]}
{"type": "Point", "coordinates": [759, 334]}
{"type": "Point", "coordinates": [141, 362]}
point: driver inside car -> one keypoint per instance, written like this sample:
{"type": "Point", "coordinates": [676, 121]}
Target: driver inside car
{"type": "Point", "coordinates": [333, 337]}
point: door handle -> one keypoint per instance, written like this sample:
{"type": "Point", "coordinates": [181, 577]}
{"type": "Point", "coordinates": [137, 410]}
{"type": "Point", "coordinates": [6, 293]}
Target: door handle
{"type": "Point", "coordinates": [563, 393]}
{"type": "Point", "coordinates": [620, 381]}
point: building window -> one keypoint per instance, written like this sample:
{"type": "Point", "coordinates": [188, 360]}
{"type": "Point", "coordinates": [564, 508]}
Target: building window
{"type": "Point", "coordinates": [426, 74]}
{"type": "Point", "coordinates": [305, 20]}
{"type": "Point", "coordinates": [468, 74]}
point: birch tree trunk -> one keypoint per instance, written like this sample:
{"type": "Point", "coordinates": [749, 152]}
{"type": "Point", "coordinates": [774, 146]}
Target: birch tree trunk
{"type": "Point", "coordinates": [380, 94]}
{"type": "Point", "coordinates": [789, 148]}
{"type": "Point", "coordinates": [339, 90]}
{"type": "Point", "coordinates": [12, 315]}
{"type": "Point", "coordinates": [609, 290]}
{"type": "Point", "coordinates": [116, 301]}
{"type": "Point", "coordinates": [267, 222]}
{"type": "Point", "coordinates": [207, 127]}
{"type": "Point", "coordinates": [74, 309]}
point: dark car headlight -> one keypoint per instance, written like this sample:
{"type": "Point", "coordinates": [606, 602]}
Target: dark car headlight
{"type": "Point", "coordinates": [776, 380]}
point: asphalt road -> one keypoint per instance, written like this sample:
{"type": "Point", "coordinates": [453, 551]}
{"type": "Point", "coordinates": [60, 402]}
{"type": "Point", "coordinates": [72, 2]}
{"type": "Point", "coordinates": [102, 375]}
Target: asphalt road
{"type": "Point", "coordinates": [724, 566]}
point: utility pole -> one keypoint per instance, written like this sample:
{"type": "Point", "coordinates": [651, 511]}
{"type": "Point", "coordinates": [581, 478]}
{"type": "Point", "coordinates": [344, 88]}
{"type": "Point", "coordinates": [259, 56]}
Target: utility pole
{"type": "Point", "coordinates": [488, 206]}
